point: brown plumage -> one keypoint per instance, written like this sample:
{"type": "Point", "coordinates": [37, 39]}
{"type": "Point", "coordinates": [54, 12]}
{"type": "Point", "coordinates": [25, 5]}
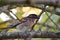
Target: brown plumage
{"type": "Point", "coordinates": [30, 21]}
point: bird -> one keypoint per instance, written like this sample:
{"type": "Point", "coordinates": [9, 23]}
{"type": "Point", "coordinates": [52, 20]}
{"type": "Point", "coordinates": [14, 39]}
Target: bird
{"type": "Point", "coordinates": [24, 24]}
{"type": "Point", "coordinates": [28, 24]}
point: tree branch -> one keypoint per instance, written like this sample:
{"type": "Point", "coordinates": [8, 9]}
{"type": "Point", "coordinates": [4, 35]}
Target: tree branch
{"type": "Point", "coordinates": [42, 34]}
{"type": "Point", "coordinates": [46, 2]}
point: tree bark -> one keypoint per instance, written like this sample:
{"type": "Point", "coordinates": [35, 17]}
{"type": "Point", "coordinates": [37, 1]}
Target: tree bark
{"type": "Point", "coordinates": [46, 2]}
{"type": "Point", "coordinates": [43, 34]}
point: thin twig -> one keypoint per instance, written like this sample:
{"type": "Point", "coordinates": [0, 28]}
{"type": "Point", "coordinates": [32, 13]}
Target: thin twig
{"type": "Point", "coordinates": [52, 21]}
{"type": "Point", "coordinates": [45, 25]}
{"type": "Point", "coordinates": [15, 15]}
{"type": "Point", "coordinates": [47, 18]}
{"type": "Point", "coordinates": [37, 19]}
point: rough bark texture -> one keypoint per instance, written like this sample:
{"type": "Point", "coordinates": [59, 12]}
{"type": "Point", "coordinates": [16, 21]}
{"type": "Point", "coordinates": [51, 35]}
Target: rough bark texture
{"type": "Point", "coordinates": [43, 34]}
{"type": "Point", "coordinates": [47, 2]}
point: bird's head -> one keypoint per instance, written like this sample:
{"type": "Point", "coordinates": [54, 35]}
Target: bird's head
{"type": "Point", "coordinates": [34, 16]}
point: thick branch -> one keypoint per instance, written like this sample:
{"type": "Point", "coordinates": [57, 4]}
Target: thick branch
{"type": "Point", "coordinates": [46, 2]}
{"type": "Point", "coordinates": [3, 2]}
{"type": "Point", "coordinates": [32, 34]}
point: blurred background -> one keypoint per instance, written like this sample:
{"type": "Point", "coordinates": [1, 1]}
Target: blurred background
{"type": "Point", "coordinates": [48, 21]}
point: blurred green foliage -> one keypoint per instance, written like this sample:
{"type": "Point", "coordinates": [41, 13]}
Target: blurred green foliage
{"type": "Point", "coordinates": [19, 12]}
{"type": "Point", "coordinates": [0, 20]}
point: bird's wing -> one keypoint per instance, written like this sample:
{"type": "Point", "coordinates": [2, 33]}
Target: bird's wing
{"type": "Point", "coordinates": [14, 24]}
